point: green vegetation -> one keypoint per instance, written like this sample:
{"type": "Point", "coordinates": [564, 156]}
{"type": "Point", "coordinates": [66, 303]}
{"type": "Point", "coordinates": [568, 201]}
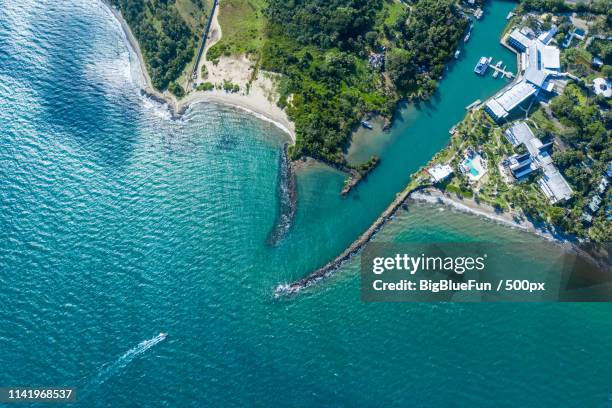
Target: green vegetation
{"type": "Point", "coordinates": [603, 48]}
{"type": "Point", "coordinates": [391, 14]}
{"type": "Point", "coordinates": [322, 49]}
{"type": "Point", "coordinates": [206, 86]}
{"type": "Point", "coordinates": [176, 89]}
{"type": "Point", "coordinates": [365, 168]}
{"type": "Point", "coordinates": [580, 126]}
{"type": "Point", "coordinates": [242, 24]}
{"type": "Point", "coordinates": [228, 86]}
{"type": "Point", "coordinates": [428, 36]}
{"type": "Point", "coordinates": [577, 61]}
{"type": "Point", "coordinates": [168, 33]}
{"type": "Point", "coordinates": [601, 7]}
{"type": "Point", "coordinates": [583, 129]}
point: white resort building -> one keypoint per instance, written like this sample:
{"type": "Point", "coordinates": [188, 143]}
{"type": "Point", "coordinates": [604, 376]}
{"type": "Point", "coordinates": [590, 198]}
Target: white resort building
{"type": "Point", "coordinates": [552, 183]}
{"type": "Point", "coordinates": [539, 63]}
{"type": "Point", "coordinates": [439, 172]}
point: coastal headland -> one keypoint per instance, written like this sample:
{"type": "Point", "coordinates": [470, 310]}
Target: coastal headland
{"type": "Point", "coordinates": [254, 91]}
{"type": "Point", "coordinates": [255, 102]}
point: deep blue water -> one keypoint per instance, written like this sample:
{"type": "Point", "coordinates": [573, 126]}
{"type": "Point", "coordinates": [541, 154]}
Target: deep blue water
{"type": "Point", "coordinates": [117, 223]}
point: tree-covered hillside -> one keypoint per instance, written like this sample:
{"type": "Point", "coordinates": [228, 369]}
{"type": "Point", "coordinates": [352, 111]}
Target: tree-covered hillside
{"type": "Point", "coordinates": [168, 33]}
{"type": "Point", "coordinates": [322, 49]}
{"type": "Point", "coordinates": [325, 23]}
{"type": "Point", "coordinates": [339, 59]}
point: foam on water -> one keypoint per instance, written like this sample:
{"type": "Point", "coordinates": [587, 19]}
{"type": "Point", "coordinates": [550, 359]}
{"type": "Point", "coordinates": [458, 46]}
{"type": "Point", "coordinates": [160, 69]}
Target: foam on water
{"type": "Point", "coordinates": [159, 110]}
{"type": "Point", "coordinates": [114, 72]}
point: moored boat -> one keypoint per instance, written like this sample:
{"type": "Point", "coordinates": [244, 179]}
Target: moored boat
{"type": "Point", "coordinates": [482, 65]}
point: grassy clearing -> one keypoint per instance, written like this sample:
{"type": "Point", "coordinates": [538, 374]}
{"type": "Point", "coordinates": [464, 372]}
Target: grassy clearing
{"type": "Point", "coordinates": [242, 26]}
{"type": "Point", "coordinates": [388, 16]}
{"type": "Point", "coordinates": [393, 10]}
{"type": "Point", "coordinates": [194, 12]}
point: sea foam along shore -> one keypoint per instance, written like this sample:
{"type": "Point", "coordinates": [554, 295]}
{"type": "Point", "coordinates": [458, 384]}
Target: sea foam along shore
{"type": "Point", "coordinates": [254, 103]}
{"type": "Point", "coordinates": [469, 205]}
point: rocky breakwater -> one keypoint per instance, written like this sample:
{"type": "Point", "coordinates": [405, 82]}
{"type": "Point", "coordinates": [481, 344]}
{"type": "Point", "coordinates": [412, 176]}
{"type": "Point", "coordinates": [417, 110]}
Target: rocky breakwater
{"type": "Point", "coordinates": [331, 267]}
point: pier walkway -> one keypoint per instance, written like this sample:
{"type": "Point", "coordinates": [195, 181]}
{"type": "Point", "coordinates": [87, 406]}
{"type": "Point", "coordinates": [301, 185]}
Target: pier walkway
{"type": "Point", "coordinates": [502, 71]}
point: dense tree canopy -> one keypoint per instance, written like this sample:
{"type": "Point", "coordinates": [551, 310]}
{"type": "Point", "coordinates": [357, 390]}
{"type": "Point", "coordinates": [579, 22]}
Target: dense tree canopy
{"type": "Point", "coordinates": [166, 40]}
{"type": "Point", "coordinates": [559, 6]}
{"type": "Point", "coordinates": [322, 46]}
{"type": "Point", "coordinates": [431, 34]}
{"type": "Point", "coordinates": [326, 23]}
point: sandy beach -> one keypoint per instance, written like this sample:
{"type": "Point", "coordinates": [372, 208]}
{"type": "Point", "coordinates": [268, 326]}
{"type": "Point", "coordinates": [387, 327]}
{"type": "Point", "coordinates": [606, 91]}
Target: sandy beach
{"type": "Point", "coordinates": [469, 205]}
{"type": "Point", "coordinates": [259, 102]}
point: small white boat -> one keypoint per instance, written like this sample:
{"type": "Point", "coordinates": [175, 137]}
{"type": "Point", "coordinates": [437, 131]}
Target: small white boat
{"type": "Point", "coordinates": [467, 37]}
{"type": "Point", "coordinates": [457, 53]}
{"type": "Point", "coordinates": [366, 124]}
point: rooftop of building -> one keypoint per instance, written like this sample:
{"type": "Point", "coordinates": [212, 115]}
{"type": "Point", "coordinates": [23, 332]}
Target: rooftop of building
{"type": "Point", "coordinates": [511, 98]}
{"type": "Point", "coordinates": [540, 63]}
{"type": "Point", "coordinates": [439, 172]}
{"type": "Point", "coordinates": [553, 184]}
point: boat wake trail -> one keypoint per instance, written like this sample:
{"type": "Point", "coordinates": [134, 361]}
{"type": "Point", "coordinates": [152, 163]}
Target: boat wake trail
{"type": "Point", "coordinates": [122, 362]}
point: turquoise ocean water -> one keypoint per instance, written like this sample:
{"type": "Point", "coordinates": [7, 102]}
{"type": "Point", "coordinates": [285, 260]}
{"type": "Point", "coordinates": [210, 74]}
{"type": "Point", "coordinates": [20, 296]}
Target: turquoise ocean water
{"type": "Point", "coordinates": [117, 223]}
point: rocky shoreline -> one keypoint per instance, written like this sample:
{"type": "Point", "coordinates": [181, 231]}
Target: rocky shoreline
{"type": "Point", "coordinates": [287, 195]}
{"type": "Point", "coordinates": [356, 176]}
{"type": "Point", "coordinates": [511, 219]}
{"type": "Point", "coordinates": [331, 267]}
{"type": "Point", "coordinates": [432, 195]}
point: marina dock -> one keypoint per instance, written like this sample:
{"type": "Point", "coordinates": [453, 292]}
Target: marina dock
{"type": "Point", "coordinates": [500, 70]}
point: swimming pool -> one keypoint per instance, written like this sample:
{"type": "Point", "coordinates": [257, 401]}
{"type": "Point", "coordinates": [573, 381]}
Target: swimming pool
{"type": "Point", "coordinates": [470, 164]}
